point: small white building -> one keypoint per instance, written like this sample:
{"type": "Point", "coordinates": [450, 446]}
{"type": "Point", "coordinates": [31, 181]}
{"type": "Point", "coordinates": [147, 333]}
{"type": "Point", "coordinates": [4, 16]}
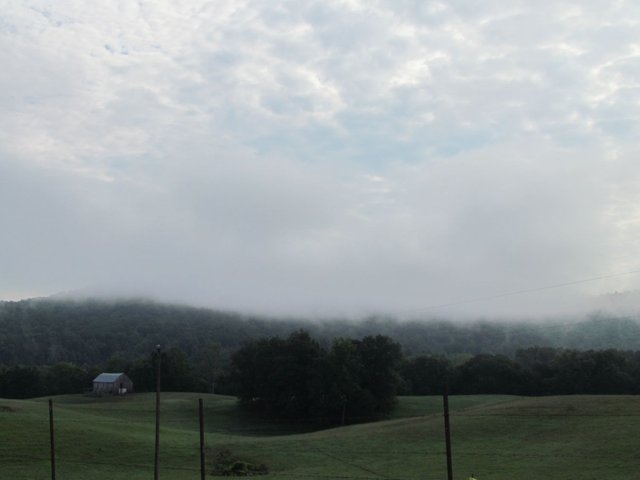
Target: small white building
{"type": "Point", "coordinates": [113, 383]}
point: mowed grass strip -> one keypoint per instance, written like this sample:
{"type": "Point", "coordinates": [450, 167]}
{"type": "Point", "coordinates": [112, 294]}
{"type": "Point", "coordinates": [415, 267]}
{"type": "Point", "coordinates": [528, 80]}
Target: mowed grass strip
{"type": "Point", "coordinates": [495, 437]}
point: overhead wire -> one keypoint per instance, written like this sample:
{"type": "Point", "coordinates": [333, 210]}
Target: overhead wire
{"type": "Point", "coordinates": [520, 292]}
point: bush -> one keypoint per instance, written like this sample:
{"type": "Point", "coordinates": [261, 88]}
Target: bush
{"type": "Point", "coordinates": [225, 464]}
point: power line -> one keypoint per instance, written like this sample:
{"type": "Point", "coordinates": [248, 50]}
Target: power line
{"type": "Point", "coordinates": [523, 291]}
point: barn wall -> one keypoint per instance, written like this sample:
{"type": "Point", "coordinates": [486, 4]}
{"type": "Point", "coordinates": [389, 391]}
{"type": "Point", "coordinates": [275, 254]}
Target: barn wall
{"type": "Point", "coordinates": [102, 387]}
{"type": "Point", "coordinates": [113, 387]}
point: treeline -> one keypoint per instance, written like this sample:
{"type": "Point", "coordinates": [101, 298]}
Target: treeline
{"type": "Point", "coordinates": [349, 380]}
{"type": "Point", "coordinates": [21, 381]}
{"type": "Point", "coordinates": [177, 374]}
{"type": "Point", "coordinates": [533, 371]}
{"type": "Point", "coordinates": [359, 379]}
{"type": "Point", "coordinates": [90, 332]}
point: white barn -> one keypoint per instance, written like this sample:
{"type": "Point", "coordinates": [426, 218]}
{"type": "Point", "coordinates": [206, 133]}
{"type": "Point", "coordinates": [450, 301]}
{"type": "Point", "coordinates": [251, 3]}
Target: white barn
{"type": "Point", "coordinates": [113, 383]}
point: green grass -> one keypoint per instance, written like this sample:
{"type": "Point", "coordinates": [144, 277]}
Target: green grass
{"type": "Point", "coordinates": [495, 437]}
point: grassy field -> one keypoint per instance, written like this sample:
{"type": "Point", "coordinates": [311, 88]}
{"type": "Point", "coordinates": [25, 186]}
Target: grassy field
{"type": "Point", "coordinates": [495, 437]}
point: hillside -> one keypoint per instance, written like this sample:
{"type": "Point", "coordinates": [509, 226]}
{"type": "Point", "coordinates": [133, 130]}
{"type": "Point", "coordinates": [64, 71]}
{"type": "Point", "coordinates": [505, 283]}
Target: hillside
{"type": "Point", "coordinates": [89, 332]}
{"type": "Point", "coordinates": [495, 437]}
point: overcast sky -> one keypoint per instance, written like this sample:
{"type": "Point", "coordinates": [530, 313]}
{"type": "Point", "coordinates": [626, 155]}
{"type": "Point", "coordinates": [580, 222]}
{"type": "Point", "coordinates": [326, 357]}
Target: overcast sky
{"type": "Point", "coordinates": [320, 156]}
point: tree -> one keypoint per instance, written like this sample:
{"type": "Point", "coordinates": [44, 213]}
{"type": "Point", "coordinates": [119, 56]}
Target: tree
{"type": "Point", "coordinates": [337, 384]}
{"type": "Point", "coordinates": [21, 382]}
{"type": "Point", "coordinates": [604, 372]}
{"type": "Point", "coordinates": [381, 358]}
{"type": "Point", "coordinates": [275, 375]}
{"type": "Point", "coordinates": [425, 375]}
{"type": "Point", "coordinates": [64, 377]}
{"type": "Point", "coordinates": [176, 373]}
{"type": "Point", "coordinates": [358, 380]}
{"type": "Point", "coordinates": [208, 364]}
{"type": "Point", "coordinates": [142, 374]}
{"type": "Point", "coordinates": [296, 378]}
{"type": "Point", "coordinates": [490, 374]}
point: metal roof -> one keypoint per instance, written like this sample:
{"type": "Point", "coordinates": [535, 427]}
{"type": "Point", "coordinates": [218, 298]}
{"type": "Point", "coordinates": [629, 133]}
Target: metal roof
{"type": "Point", "coordinates": [108, 377]}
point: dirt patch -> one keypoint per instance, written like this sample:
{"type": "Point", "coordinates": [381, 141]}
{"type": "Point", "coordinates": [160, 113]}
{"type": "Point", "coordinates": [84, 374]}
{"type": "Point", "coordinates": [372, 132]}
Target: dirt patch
{"type": "Point", "coordinates": [7, 408]}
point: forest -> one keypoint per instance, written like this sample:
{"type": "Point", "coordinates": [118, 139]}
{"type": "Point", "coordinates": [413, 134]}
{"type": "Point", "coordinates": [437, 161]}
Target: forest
{"type": "Point", "coordinates": [333, 371]}
{"type": "Point", "coordinates": [296, 377]}
{"type": "Point", "coordinates": [91, 332]}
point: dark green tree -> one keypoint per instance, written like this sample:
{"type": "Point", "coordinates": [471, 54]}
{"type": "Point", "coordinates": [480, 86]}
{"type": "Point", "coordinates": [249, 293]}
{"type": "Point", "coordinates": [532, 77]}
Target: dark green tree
{"type": "Point", "coordinates": [381, 358]}
{"type": "Point", "coordinates": [276, 374]}
{"type": "Point", "coordinates": [208, 364]}
{"type": "Point", "coordinates": [337, 389]}
{"type": "Point", "coordinates": [64, 377]}
{"type": "Point", "coordinates": [485, 374]}
{"type": "Point", "coordinates": [425, 375]}
{"type": "Point", "coordinates": [21, 382]}
{"type": "Point", "coordinates": [177, 373]}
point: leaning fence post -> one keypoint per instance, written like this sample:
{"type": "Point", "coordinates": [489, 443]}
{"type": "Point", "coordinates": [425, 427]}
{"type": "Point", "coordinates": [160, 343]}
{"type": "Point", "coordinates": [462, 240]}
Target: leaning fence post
{"type": "Point", "coordinates": [201, 415]}
{"type": "Point", "coordinates": [447, 432]}
{"type": "Point", "coordinates": [52, 442]}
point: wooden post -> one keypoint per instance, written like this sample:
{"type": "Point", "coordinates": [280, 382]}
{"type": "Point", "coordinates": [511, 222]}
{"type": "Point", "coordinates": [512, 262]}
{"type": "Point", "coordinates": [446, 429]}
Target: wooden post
{"type": "Point", "coordinates": [201, 415]}
{"type": "Point", "coordinates": [51, 438]}
{"type": "Point", "coordinates": [156, 473]}
{"type": "Point", "coordinates": [447, 432]}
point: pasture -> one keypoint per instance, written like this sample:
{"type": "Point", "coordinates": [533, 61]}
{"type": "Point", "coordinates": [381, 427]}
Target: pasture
{"type": "Point", "coordinates": [495, 437]}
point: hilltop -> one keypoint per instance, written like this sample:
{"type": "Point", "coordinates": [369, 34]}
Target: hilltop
{"type": "Point", "coordinates": [89, 332]}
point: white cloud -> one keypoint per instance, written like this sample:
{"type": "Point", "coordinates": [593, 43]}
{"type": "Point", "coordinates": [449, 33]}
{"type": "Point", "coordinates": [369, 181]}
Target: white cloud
{"type": "Point", "coordinates": [336, 155]}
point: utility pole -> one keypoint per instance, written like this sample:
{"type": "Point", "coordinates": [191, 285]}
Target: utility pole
{"type": "Point", "coordinates": [447, 432]}
{"type": "Point", "coordinates": [51, 439]}
{"type": "Point", "coordinates": [156, 474]}
{"type": "Point", "coordinates": [201, 415]}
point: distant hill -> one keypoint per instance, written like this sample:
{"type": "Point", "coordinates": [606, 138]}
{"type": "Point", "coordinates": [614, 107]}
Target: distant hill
{"type": "Point", "coordinates": [622, 303]}
{"type": "Point", "coordinates": [89, 332]}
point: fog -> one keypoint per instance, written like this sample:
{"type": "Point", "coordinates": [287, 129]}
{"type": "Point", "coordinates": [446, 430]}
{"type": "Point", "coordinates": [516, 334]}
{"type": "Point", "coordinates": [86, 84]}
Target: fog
{"type": "Point", "coordinates": [326, 159]}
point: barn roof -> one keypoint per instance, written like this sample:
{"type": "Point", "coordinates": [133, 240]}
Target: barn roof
{"type": "Point", "coordinates": [108, 377]}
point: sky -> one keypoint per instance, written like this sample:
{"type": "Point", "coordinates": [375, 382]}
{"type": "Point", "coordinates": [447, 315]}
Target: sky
{"type": "Point", "coordinates": [322, 157]}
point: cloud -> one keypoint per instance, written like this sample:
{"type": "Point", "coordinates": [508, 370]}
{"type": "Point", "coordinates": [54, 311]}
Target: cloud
{"type": "Point", "coordinates": [322, 156]}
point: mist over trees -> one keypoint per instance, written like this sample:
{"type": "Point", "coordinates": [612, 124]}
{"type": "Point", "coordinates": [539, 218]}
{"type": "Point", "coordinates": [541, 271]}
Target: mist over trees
{"type": "Point", "coordinates": [330, 371]}
{"type": "Point", "coordinates": [90, 332]}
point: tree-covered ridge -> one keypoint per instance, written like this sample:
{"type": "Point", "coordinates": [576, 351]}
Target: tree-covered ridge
{"type": "Point", "coordinates": [90, 332]}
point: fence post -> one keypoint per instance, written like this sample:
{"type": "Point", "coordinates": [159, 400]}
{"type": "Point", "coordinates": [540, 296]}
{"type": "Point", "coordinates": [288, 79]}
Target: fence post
{"type": "Point", "coordinates": [447, 432]}
{"type": "Point", "coordinates": [201, 415]}
{"type": "Point", "coordinates": [156, 473]}
{"type": "Point", "coordinates": [52, 442]}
